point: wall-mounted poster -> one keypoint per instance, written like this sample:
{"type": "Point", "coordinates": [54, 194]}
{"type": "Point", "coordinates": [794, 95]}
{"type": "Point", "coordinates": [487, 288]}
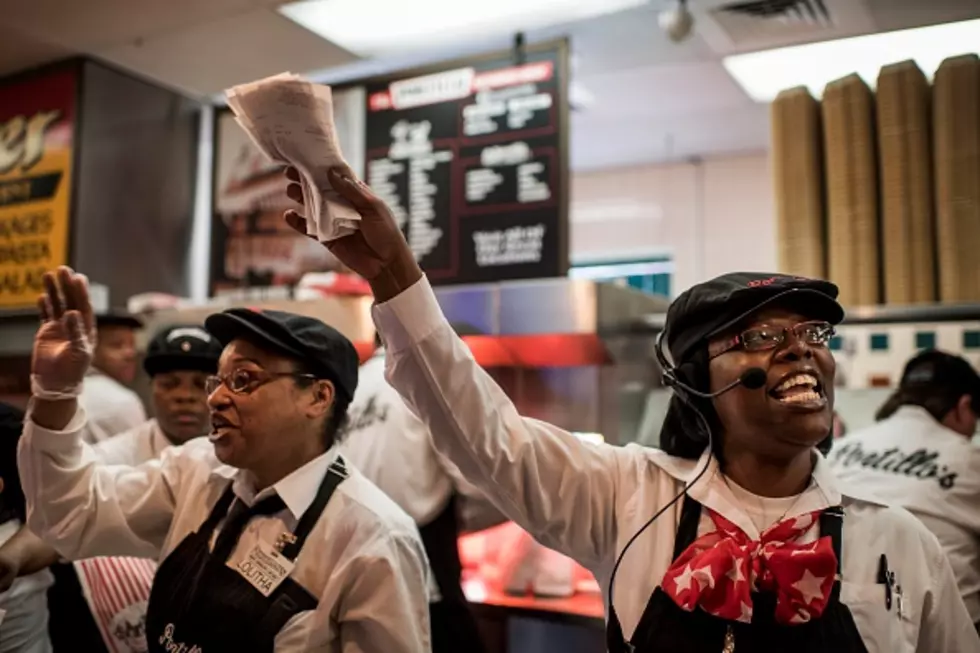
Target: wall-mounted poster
{"type": "Point", "coordinates": [472, 159]}
{"type": "Point", "coordinates": [253, 252]}
{"type": "Point", "coordinates": [37, 114]}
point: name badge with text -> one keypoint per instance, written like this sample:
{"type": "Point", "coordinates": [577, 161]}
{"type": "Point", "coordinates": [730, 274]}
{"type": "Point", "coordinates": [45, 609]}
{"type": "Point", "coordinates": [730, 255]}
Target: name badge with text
{"type": "Point", "coordinates": [265, 568]}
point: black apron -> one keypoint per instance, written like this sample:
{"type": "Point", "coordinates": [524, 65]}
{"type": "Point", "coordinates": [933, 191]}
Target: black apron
{"type": "Point", "coordinates": [667, 628]}
{"type": "Point", "coordinates": [454, 628]}
{"type": "Point", "coordinates": [200, 602]}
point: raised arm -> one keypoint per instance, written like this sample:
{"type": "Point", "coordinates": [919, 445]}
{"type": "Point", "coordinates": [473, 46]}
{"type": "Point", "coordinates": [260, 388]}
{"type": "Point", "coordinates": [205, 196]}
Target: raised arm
{"type": "Point", "coordinates": [562, 490]}
{"type": "Point", "coordinates": [76, 505]}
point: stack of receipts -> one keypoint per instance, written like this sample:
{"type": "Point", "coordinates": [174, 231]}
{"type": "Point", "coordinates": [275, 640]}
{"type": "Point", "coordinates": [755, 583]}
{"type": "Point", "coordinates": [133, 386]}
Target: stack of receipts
{"type": "Point", "coordinates": [291, 122]}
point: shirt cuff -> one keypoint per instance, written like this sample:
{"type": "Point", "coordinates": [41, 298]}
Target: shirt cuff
{"type": "Point", "coordinates": [48, 441]}
{"type": "Point", "coordinates": [408, 318]}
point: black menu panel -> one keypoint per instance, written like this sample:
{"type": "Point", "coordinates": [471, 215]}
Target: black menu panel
{"type": "Point", "coordinates": [471, 159]}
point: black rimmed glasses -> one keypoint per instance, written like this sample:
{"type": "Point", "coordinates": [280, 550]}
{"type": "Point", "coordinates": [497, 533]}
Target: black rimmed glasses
{"type": "Point", "coordinates": [766, 337]}
{"type": "Point", "coordinates": [242, 381]}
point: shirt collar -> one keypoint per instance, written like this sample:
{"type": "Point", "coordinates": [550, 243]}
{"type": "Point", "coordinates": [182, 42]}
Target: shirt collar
{"type": "Point", "coordinates": [297, 489]}
{"type": "Point", "coordinates": [711, 491]}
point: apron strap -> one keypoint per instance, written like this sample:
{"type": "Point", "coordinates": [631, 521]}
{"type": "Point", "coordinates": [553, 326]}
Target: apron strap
{"type": "Point", "coordinates": [218, 512]}
{"type": "Point", "coordinates": [336, 473]}
{"type": "Point", "coordinates": [832, 524]}
{"type": "Point", "coordinates": [687, 527]}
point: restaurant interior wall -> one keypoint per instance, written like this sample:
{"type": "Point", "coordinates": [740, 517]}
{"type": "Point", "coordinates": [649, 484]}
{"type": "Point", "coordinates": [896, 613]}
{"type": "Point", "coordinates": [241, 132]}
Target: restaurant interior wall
{"type": "Point", "coordinates": [710, 216]}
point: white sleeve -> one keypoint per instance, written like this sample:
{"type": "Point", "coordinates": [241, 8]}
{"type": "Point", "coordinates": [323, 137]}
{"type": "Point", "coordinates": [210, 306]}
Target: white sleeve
{"type": "Point", "coordinates": [117, 450]}
{"type": "Point", "coordinates": [85, 509]}
{"type": "Point", "coordinates": [558, 488]}
{"type": "Point", "coordinates": [946, 624]}
{"type": "Point", "coordinates": [386, 606]}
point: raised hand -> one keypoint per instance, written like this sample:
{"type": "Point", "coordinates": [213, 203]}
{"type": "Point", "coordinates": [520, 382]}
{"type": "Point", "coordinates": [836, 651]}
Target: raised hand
{"type": "Point", "coordinates": [378, 250]}
{"type": "Point", "coordinates": [64, 343]}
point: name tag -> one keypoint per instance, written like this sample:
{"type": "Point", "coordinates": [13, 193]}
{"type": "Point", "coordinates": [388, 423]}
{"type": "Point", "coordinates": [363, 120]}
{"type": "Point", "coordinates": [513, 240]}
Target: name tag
{"type": "Point", "coordinates": [265, 568]}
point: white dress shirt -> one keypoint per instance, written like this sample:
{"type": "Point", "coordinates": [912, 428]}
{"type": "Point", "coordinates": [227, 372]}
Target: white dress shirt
{"type": "Point", "coordinates": [364, 560]}
{"type": "Point", "coordinates": [915, 462]}
{"type": "Point", "coordinates": [112, 408]}
{"type": "Point", "coordinates": [588, 500]}
{"type": "Point", "coordinates": [25, 622]}
{"type": "Point", "coordinates": [135, 446]}
{"type": "Point", "coordinates": [392, 448]}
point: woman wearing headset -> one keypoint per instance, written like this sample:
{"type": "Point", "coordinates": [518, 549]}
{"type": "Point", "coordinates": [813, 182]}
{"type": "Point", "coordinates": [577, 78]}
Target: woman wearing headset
{"type": "Point", "coordinates": [757, 546]}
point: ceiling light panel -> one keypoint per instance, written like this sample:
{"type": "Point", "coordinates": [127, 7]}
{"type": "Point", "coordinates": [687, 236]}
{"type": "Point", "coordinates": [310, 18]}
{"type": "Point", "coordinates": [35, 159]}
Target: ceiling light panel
{"type": "Point", "coordinates": [764, 74]}
{"type": "Point", "coordinates": [372, 28]}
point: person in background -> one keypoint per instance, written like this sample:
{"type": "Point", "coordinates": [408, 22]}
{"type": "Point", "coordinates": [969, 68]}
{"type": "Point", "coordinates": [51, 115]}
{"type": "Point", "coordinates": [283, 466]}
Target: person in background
{"type": "Point", "coordinates": [268, 540]}
{"type": "Point", "coordinates": [758, 546]}
{"type": "Point", "coordinates": [23, 601]}
{"type": "Point", "coordinates": [920, 456]}
{"type": "Point", "coordinates": [178, 360]}
{"type": "Point", "coordinates": [110, 405]}
{"type": "Point", "coordinates": [393, 449]}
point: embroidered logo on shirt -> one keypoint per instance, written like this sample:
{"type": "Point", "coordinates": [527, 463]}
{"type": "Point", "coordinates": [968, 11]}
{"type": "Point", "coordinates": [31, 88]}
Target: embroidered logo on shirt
{"type": "Point", "coordinates": [921, 463]}
{"type": "Point", "coordinates": [171, 646]}
{"type": "Point", "coordinates": [371, 414]}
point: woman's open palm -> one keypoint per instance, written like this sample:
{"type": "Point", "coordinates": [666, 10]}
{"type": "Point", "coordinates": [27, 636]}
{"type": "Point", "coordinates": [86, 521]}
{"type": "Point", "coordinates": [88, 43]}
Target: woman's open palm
{"type": "Point", "coordinates": [66, 338]}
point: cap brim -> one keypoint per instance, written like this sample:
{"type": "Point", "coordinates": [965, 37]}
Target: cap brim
{"type": "Point", "coordinates": [226, 327]}
{"type": "Point", "coordinates": [811, 303]}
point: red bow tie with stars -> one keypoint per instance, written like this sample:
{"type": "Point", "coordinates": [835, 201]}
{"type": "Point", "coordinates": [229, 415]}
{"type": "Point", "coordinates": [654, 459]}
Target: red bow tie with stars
{"type": "Point", "coordinates": [720, 570]}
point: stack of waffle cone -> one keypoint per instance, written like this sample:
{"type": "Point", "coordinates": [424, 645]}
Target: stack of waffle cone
{"type": "Point", "coordinates": [852, 190]}
{"type": "Point", "coordinates": [797, 165]}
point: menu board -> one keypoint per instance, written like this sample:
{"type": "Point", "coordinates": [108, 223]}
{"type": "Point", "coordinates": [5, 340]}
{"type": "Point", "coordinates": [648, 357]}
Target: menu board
{"type": "Point", "coordinates": [472, 162]}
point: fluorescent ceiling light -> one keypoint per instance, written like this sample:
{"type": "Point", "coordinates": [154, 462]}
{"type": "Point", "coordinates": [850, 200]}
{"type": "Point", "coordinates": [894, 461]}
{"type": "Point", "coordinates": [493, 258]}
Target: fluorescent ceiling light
{"type": "Point", "coordinates": [380, 27]}
{"type": "Point", "coordinates": [764, 74]}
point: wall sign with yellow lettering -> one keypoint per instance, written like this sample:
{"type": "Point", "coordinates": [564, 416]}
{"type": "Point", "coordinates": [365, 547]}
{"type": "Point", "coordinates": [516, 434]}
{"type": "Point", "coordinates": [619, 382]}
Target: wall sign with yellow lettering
{"type": "Point", "coordinates": [37, 118]}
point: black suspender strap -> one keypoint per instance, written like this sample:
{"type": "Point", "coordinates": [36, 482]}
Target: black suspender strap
{"type": "Point", "coordinates": [687, 528]}
{"type": "Point", "coordinates": [218, 512]}
{"type": "Point", "coordinates": [336, 473]}
{"type": "Point", "coordinates": [832, 524]}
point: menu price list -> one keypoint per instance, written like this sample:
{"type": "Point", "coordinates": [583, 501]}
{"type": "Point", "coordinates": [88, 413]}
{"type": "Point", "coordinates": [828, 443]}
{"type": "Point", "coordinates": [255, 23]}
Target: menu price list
{"type": "Point", "coordinates": [512, 245]}
{"type": "Point", "coordinates": [417, 190]}
{"type": "Point", "coordinates": [468, 160]}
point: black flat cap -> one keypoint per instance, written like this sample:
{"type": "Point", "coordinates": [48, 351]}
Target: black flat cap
{"type": "Point", "coordinates": [940, 370]}
{"type": "Point", "coordinates": [188, 348]}
{"type": "Point", "coordinates": [712, 307]}
{"type": "Point", "coordinates": [118, 317]}
{"type": "Point", "coordinates": [324, 350]}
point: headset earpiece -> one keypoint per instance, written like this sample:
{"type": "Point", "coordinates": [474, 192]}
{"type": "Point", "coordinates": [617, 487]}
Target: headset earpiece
{"type": "Point", "coordinates": [667, 371]}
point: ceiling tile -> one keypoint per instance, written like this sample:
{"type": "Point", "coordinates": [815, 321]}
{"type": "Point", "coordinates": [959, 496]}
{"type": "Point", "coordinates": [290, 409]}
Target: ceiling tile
{"type": "Point", "coordinates": [209, 57]}
{"type": "Point", "coordinates": [903, 14]}
{"type": "Point", "coordinates": [100, 24]}
{"type": "Point", "coordinates": [662, 91]}
{"type": "Point", "coordinates": [20, 51]}
{"type": "Point", "coordinates": [643, 140]}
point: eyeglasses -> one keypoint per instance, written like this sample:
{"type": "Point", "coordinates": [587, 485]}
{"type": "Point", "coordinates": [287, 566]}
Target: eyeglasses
{"type": "Point", "coordinates": [763, 338]}
{"type": "Point", "coordinates": [243, 382]}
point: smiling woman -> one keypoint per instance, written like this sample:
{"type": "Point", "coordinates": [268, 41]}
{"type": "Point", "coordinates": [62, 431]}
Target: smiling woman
{"type": "Point", "coordinates": [742, 540]}
{"type": "Point", "coordinates": [285, 582]}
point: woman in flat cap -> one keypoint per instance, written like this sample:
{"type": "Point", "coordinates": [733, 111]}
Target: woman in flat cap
{"type": "Point", "coordinates": [735, 536]}
{"type": "Point", "coordinates": [267, 539]}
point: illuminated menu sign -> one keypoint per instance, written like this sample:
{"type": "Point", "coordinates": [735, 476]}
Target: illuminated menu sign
{"type": "Point", "coordinates": [471, 161]}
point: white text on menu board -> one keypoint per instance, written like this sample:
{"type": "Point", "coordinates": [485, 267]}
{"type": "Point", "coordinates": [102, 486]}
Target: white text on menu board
{"type": "Point", "coordinates": [480, 182]}
{"type": "Point", "coordinates": [411, 145]}
{"type": "Point", "coordinates": [517, 103]}
{"type": "Point", "coordinates": [509, 246]}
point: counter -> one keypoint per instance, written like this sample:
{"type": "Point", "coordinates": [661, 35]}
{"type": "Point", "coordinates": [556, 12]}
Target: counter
{"type": "Point", "coordinates": [529, 622]}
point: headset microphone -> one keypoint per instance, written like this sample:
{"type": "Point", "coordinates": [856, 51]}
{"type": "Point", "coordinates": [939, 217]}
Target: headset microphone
{"type": "Point", "coordinates": [752, 378]}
